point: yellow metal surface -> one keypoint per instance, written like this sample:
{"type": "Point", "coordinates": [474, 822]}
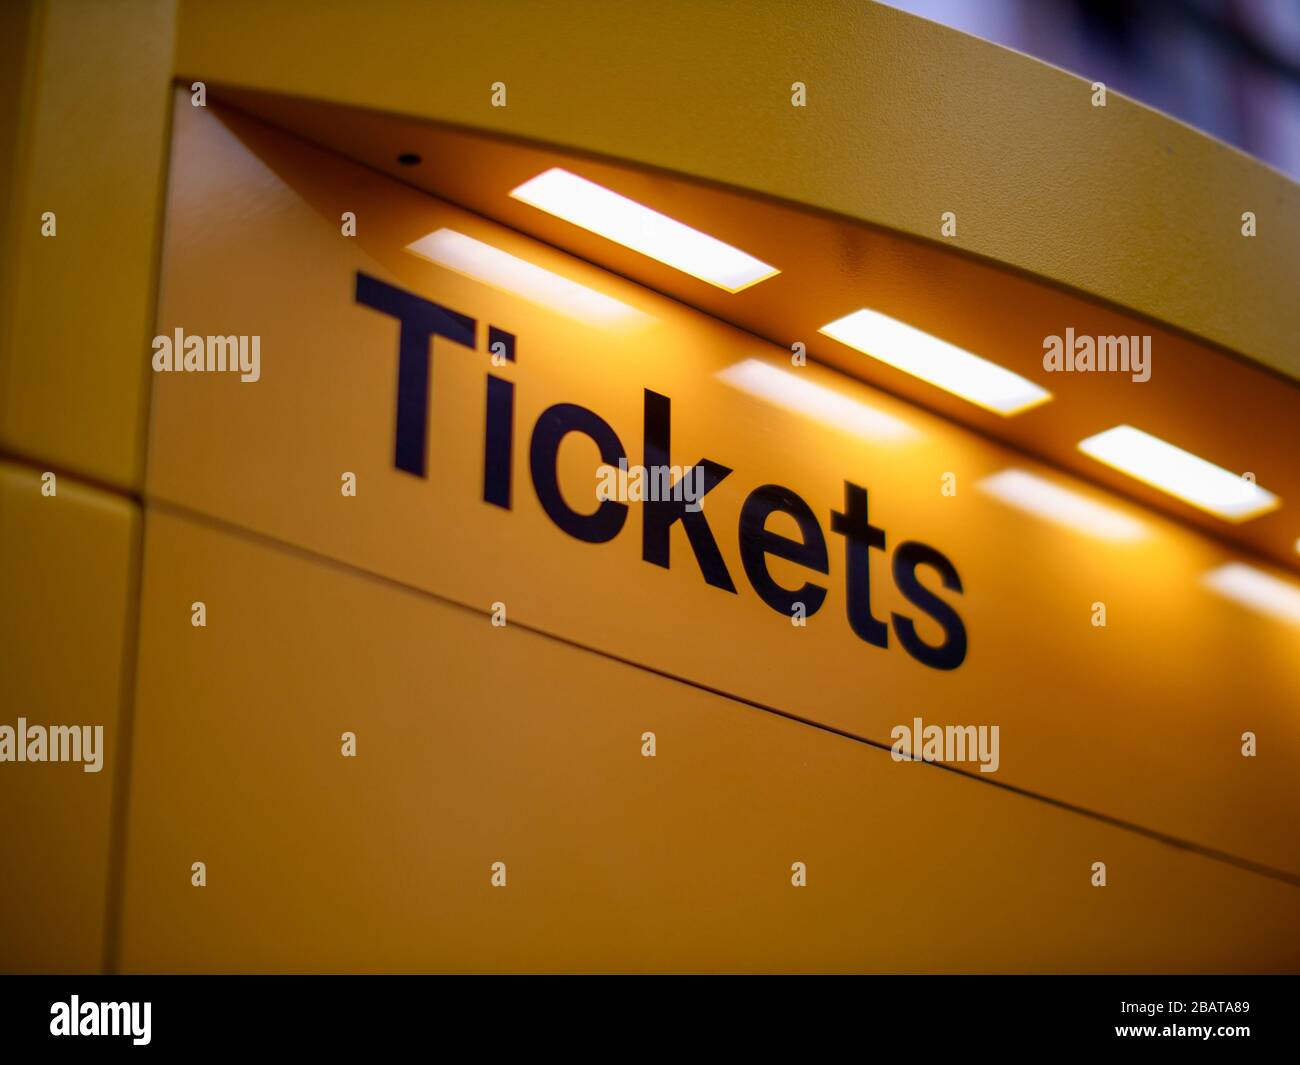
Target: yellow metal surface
{"type": "Point", "coordinates": [16, 39]}
{"type": "Point", "coordinates": [905, 119]}
{"type": "Point", "coordinates": [91, 140]}
{"type": "Point", "coordinates": [66, 592]}
{"type": "Point", "coordinates": [1140, 720]}
{"type": "Point", "coordinates": [1230, 411]}
{"type": "Point", "coordinates": [477, 745]}
{"type": "Point", "coordinates": [522, 744]}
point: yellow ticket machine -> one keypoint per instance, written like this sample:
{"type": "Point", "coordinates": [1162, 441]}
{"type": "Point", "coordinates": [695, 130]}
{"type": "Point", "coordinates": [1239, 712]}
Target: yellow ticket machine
{"type": "Point", "coordinates": [635, 490]}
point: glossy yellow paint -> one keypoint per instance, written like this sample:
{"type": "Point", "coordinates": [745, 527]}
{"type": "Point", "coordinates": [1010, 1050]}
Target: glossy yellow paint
{"type": "Point", "coordinates": [1231, 411]}
{"type": "Point", "coordinates": [478, 745]}
{"type": "Point", "coordinates": [618, 870]}
{"type": "Point", "coordinates": [67, 607]}
{"type": "Point", "coordinates": [90, 133]}
{"type": "Point", "coordinates": [905, 119]}
{"type": "Point", "coordinates": [1112, 719]}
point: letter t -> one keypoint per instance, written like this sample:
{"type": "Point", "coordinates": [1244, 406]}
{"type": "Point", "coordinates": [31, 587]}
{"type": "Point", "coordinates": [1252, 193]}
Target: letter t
{"type": "Point", "coordinates": [420, 320]}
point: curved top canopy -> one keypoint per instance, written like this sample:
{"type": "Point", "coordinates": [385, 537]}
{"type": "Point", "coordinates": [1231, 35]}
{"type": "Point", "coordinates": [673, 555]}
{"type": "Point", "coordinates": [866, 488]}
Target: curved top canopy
{"type": "Point", "coordinates": [1064, 219]}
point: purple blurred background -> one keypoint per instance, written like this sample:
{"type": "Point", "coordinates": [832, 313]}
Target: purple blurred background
{"type": "Point", "coordinates": [1228, 67]}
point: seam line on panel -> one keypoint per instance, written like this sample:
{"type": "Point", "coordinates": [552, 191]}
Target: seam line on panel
{"type": "Point", "coordinates": [180, 510]}
{"type": "Point", "coordinates": [120, 825]}
{"type": "Point", "coordinates": [18, 457]}
{"type": "Point", "coordinates": [119, 819]}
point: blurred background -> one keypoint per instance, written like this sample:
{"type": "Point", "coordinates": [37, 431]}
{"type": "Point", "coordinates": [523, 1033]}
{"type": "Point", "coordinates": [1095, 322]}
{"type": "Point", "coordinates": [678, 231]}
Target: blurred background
{"type": "Point", "coordinates": [1228, 67]}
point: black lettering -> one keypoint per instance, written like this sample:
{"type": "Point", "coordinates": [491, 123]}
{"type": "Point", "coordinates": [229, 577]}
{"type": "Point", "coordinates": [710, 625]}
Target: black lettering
{"type": "Point", "coordinates": [420, 320]}
{"type": "Point", "coordinates": [757, 542]}
{"type": "Point", "coordinates": [952, 652]}
{"type": "Point", "coordinates": [860, 536]}
{"type": "Point", "coordinates": [498, 440]}
{"type": "Point", "coordinates": [552, 427]}
{"type": "Point", "coordinates": [659, 516]}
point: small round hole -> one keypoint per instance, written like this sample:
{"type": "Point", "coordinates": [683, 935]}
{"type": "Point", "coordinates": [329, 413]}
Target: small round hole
{"type": "Point", "coordinates": [409, 159]}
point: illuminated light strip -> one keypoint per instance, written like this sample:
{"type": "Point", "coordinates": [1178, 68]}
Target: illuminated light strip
{"type": "Point", "coordinates": [483, 262]}
{"type": "Point", "coordinates": [633, 225]}
{"type": "Point", "coordinates": [945, 365]}
{"type": "Point", "coordinates": [795, 392]}
{"type": "Point", "coordinates": [1180, 473]}
{"type": "Point", "coordinates": [1257, 590]}
{"type": "Point", "coordinates": [1036, 495]}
